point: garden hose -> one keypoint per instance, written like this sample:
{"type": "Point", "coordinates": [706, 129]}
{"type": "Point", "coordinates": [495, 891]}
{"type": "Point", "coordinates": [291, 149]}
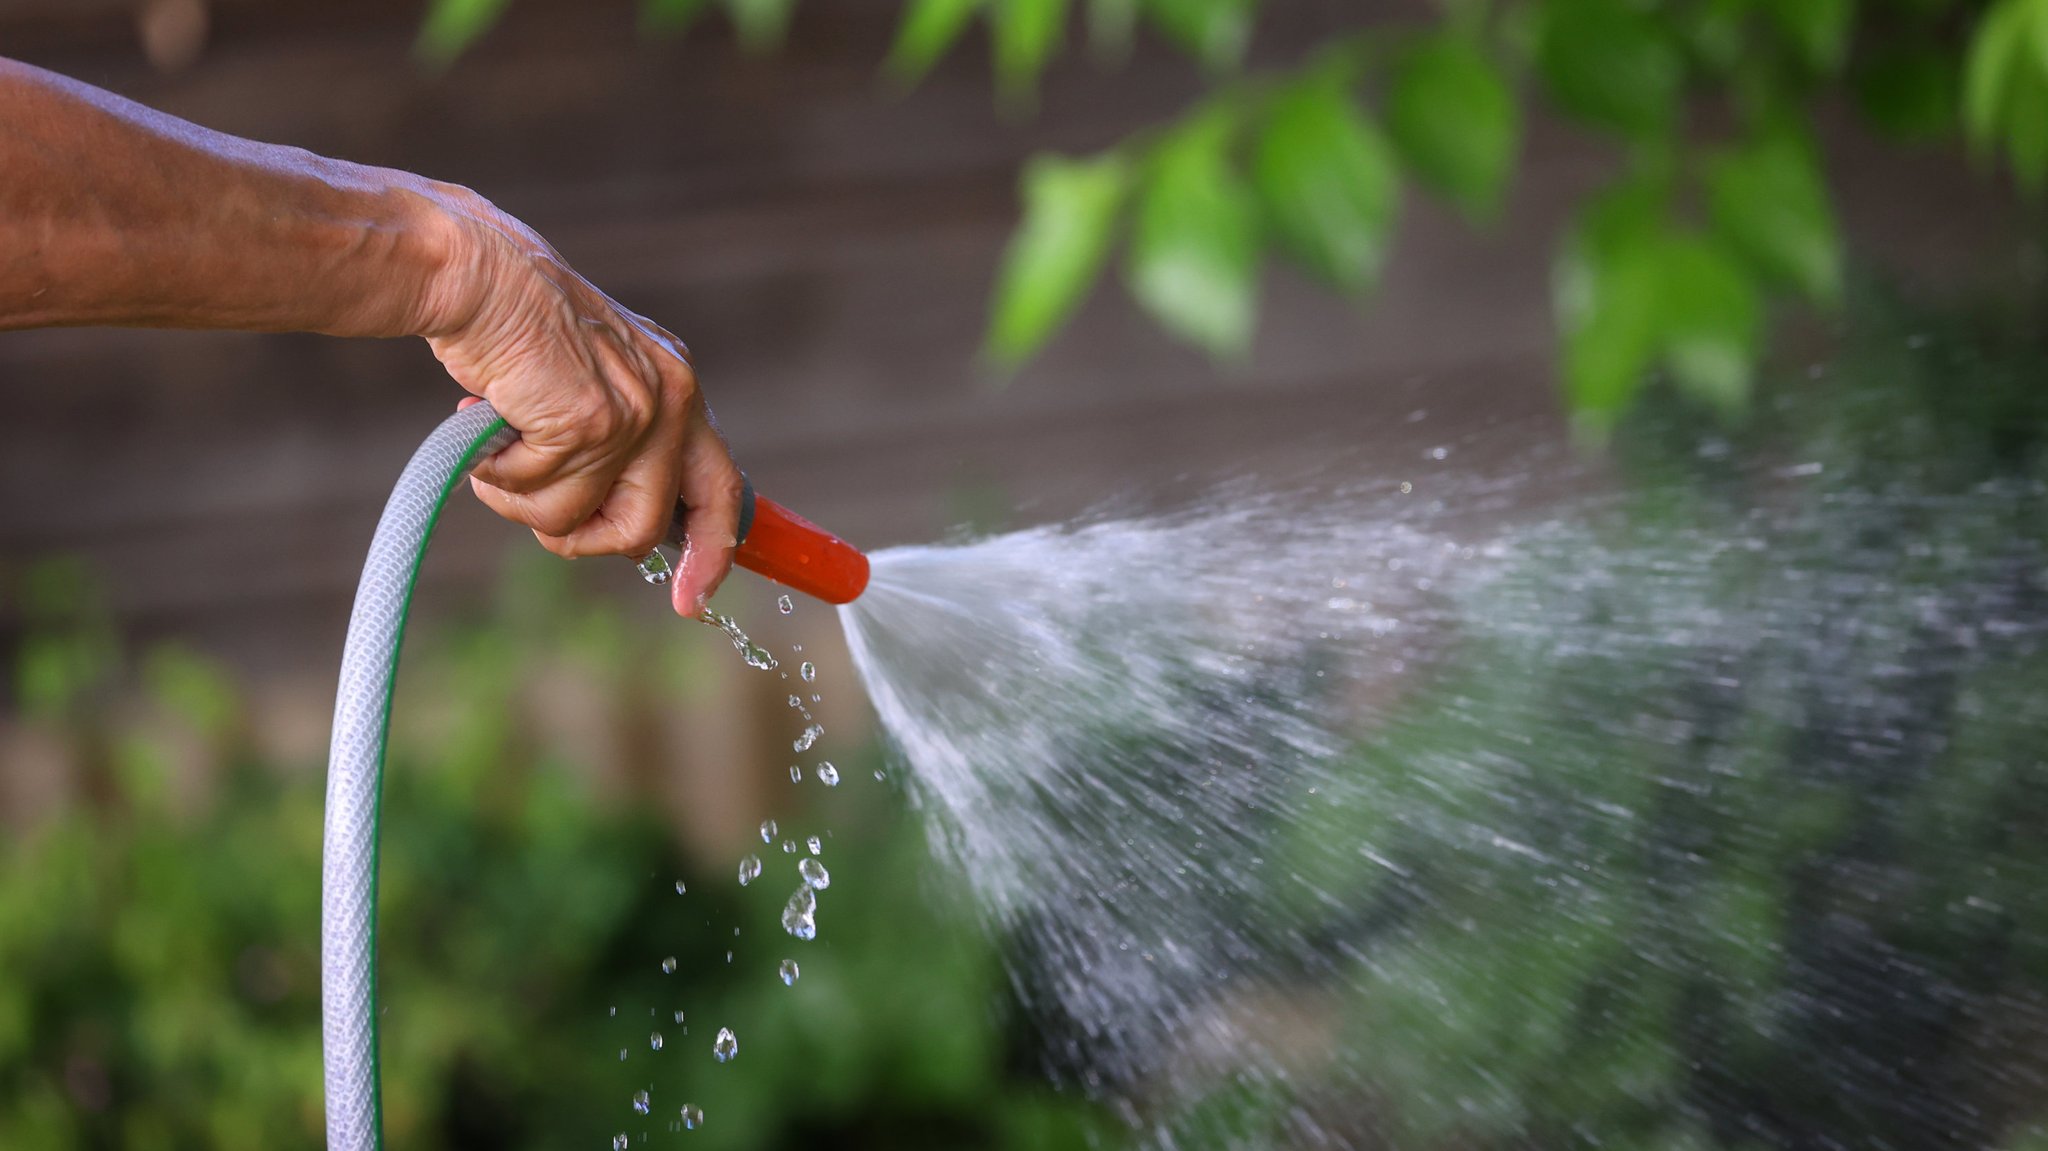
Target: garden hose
{"type": "Point", "coordinates": [773, 541]}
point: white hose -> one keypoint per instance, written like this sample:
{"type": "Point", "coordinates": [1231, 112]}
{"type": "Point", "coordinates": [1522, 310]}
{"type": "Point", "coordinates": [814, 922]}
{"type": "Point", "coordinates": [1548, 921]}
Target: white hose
{"type": "Point", "coordinates": [355, 770]}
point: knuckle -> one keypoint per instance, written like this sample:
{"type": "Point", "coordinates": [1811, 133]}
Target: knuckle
{"type": "Point", "coordinates": [595, 417]}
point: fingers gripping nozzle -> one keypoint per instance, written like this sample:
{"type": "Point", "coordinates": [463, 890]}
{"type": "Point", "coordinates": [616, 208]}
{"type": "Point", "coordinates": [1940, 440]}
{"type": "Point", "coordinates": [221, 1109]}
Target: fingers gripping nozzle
{"type": "Point", "coordinates": [783, 546]}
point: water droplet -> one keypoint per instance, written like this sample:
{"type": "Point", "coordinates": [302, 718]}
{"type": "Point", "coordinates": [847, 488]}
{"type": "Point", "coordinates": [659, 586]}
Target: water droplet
{"type": "Point", "coordinates": [783, 605]}
{"type": "Point", "coordinates": [808, 670]}
{"type": "Point", "coordinates": [754, 654]}
{"type": "Point", "coordinates": [641, 1104]}
{"type": "Point", "coordinates": [809, 737]}
{"type": "Point", "coordinates": [679, 1017]}
{"type": "Point", "coordinates": [795, 702]}
{"type": "Point", "coordinates": [1406, 487]}
{"type": "Point", "coordinates": [799, 917]}
{"type": "Point", "coordinates": [622, 1055]}
{"type": "Point", "coordinates": [796, 774]}
{"type": "Point", "coordinates": [654, 568]}
{"type": "Point", "coordinates": [668, 966]}
{"type": "Point", "coordinates": [750, 868]}
{"type": "Point", "coordinates": [880, 775]}
{"type": "Point", "coordinates": [827, 774]}
{"type": "Point", "coordinates": [620, 1142]}
{"type": "Point", "coordinates": [1439, 453]}
{"type": "Point", "coordinates": [767, 831]}
{"type": "Point", "coordinates": [654, 1041]}
{"type": "Point", "coordinates": [725, 1046]}
{"type": "Point", "coordinates": [814, 844]}
{"type": "Point", "coordinates": [788, 847]}
{"type": "Point", "coordinates": [614, 1012]}
{"type": "Point", "coordinates": [789, 972]}
{"type": "Point", "coordinates": [693, 1116]}
{"type": "Point", "coordinates": [680, 887]}
{"type": "Point", "coordinates": [815, 875]}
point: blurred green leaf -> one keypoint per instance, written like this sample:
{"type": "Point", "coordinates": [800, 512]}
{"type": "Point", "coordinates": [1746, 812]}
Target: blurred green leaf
{"type": "Point", "coordinates": [1216, 32]}
{"type": "Point", "coordinates": [1995, 50]}
{"type": "Point", "coordinates": [1769, 202]}
{"type": "Point", "coordinates": [1027, 33]}
{"type": "Point", "coordinates": [1819, 29]}
{"type": "Point", "coordinates": [1195, 243]}
{"type": "Point", "coordinates": [1608, 280]}
{"type": "Point", "coordinates": [1328, 180]}
{"type": "Point", "coordinates": [1611, 64]}
{"type": "Point", "coordinates": [1710, 321]}
{"type": "Point", "coordinates": [453, 25]}
{"type": "Point", "coordinates": [1070, 210]}
{"type": "Point", "coordinates": [1456, 123]}
{"type": "Point", "coordinates": [930, 27]}
{"type": "Point", "coordinates": [2026, 128]}
{"type": "Point", "coordinates": [761, 24]}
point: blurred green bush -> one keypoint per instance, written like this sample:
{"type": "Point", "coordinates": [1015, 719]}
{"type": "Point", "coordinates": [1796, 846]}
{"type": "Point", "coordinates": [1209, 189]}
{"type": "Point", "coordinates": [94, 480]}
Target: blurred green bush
{"type": "Point", "coordinates": [159, 963]}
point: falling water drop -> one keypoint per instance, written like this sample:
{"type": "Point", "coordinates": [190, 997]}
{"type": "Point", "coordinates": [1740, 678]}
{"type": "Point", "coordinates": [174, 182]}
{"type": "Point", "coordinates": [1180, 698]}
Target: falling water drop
{"type": "Point", "coordinates": [783, 605]}
{"type": "Point", "coordinates": [809, 737]}
{"type": "Point", "coordinates": [654, 1041]}
{"type": "Point", "coordinates": [815, 875]}
{"type": "Point", "coordinates": [668, 966]}
{"type": "Point", "coordinates": [725, 1046]}
{"type": "Point", "coordinates": [750, 867]}
{"type": "Point", "coordinates": [808, 670]}
{"type": "Point", "coordinates": [641, 1104]}
{"type": "Point", "coordinates": [693, 1116]}
{"type": "Point", "coordinates": [795, 702]}
{"type": "Point", "coordinates": [827, 774]}
{"type": "Point", "coordinates": [814, 844]}
{"type": "Point", "coordinates": [681, 887]}
{"type": "Point", "coordinates": [789, 972]}
{"type": "Point", "coordinates": [620, 1142]}
{"type": "Point", "coordinates": [796, 774]}
{"type": "Point", "coordinates": [799, 917]}
{"type": "Point", "coordinates": [767, 831]}
{"type": "Point", "coordinates": [654, 568]}
{"type": "Point", "coordinates": [789, 847]}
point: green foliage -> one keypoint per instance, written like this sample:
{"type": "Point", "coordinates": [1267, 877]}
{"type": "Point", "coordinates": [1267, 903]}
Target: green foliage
{"type": "Point", "coordinates": [1452, 99]}
{"type": "Point", "coordinates": [1456, 122]}
{"type": "Point", "coordinates": [1195, 243]}
{"type": "Point", "coordinates": [1328, 180]}
{"type": "Point", "coordinates": [929, 28]}
{"type": "Point", "coordinates": [1070, 209]}
{"type": "Point", "coordinates": [1767, 199]}
{"type": "Point", "coordinates": [453, 25]}
{"type": "Point", "coordinates": [1611, 64]}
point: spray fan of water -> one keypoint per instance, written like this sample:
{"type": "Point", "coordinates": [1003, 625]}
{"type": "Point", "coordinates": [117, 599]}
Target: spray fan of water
{"type": "Point", "coordinates": [1335, 824]}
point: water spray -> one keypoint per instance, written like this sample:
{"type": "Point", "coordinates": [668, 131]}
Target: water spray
{"type": "Point", "coordinates": [773, 541]}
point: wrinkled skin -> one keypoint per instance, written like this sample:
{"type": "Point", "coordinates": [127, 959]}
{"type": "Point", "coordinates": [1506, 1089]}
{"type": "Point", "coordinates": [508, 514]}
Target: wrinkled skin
{"type": "Point", "coordinates": [114, 214]}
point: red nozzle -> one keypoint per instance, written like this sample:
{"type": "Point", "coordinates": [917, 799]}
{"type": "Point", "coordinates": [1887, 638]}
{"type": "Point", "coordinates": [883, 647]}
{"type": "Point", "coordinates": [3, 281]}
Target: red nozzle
{"type": "Point", "coordinates": [792, 550]}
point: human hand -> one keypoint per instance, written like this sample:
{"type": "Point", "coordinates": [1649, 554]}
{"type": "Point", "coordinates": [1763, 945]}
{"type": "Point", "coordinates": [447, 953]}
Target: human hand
{"type": "Point", "coordinates": [613, 429]}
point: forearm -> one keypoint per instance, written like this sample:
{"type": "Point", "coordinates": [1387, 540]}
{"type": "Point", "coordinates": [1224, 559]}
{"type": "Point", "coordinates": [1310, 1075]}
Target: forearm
{"type": "Point", "coordinates": [114, 214]}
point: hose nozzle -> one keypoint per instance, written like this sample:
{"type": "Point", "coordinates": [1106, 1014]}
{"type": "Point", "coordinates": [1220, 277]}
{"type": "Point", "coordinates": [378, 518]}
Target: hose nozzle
{"type": "Point", "coordinates": [791, 550]}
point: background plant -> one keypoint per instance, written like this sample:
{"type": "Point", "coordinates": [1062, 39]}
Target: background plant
{"type": "Point", "coordinates": [1719, 210]}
